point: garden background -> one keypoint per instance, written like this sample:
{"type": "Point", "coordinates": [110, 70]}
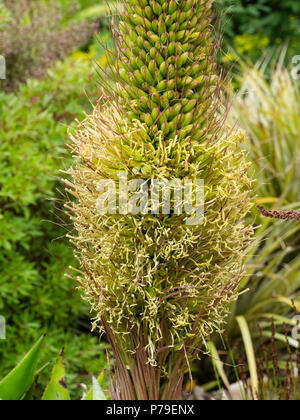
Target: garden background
{"type": "Point", "coordinates": [52, 58]}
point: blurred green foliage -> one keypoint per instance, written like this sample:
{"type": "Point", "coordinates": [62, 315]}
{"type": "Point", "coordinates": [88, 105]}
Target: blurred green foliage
{"type": "Point", "coordinates": [267, 108]}
{"type": "Point", "coordinates": [35, 36]}
{"type": "Point", "coordinates": [269, 112]}
{"type": "Point", "coordinates": [35, 294]}
{"type": "Point", "coordinates": [252, 25]}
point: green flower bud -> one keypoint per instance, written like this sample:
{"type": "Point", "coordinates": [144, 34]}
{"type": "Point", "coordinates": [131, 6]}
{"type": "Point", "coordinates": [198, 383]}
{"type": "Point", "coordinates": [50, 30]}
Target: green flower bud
{"type": "Point", "coordinates": [163, 68]}
{"type": "Point", "coordinates": [156, 7]}
{"type": "Point", "coordinates": [172, 6]}
{"type": "Point", "coordinates": [154, 39]}
{"type": "Point", "coordinates": [149, 13]}
{"type": "Point", "coordinates": [155, 113]}
{"type": "Point", "coordinates": [162, 29]}
{"type": "Point", "coordinates": [155, 26]}
{"type": "Point", "coordinates": [172, 48]}
{"type": "Point", "coordinates": [188, 105]}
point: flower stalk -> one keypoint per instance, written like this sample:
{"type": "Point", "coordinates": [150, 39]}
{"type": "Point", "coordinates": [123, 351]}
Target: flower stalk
{"type": "Point", "coordinates": [158, 285]}
{"type": "Point", "coordinates": [280, 214]}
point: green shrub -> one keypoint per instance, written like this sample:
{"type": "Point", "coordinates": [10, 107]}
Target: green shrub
{"type": "Point", "coordinates": [35, 37]}
{"type": "Point", "coordinates": [35, 294]}
{"type": "Point", "coordinates": [253, 25]}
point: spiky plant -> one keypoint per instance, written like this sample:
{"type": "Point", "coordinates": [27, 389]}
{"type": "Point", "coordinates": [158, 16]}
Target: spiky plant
{"type": "Point", "coordinates": [158, 285]}
{"type": "Point", "coordinates": [267, 107]}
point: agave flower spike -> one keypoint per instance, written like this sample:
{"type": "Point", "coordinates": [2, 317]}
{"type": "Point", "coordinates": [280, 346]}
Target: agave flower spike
{"type": "Point", "coordinates": [159, 286]}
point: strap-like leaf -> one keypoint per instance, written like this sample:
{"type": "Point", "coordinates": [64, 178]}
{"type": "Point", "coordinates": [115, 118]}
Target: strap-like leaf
{"type": "Point", "coordinates": [218, 363]}
{"type": "Point", "coordinates": [18, 381]}
{"type": "Point", "coordinates": [57, 389]}
{"type": "Point", "coordinates": [250, 354]}
{"type": "Point", "coordinates": [95, 393]}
